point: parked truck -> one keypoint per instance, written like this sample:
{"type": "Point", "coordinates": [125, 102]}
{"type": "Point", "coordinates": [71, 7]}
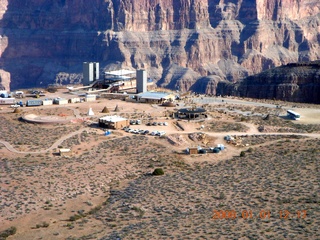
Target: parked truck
{"type": "Point", "coordinates": [33, 103]}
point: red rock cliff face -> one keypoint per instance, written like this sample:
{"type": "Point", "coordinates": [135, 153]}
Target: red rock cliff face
{"type": "Point", "coordinates": [179, 42]}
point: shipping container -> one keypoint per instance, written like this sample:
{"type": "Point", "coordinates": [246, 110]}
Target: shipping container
{"type": "Point", "coordinates": [37, 102]}
{"type": "Point", "coordinates": [7, 101]}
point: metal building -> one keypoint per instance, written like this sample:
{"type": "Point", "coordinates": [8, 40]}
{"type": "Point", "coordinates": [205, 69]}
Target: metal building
{"type": "Point", "coordinates": [90, 72]}
{"type": "Point", "coordinates": [141, 81]}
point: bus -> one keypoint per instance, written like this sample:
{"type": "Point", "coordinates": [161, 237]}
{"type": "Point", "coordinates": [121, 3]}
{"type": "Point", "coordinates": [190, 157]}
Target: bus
{"type": "Point", "coordinates": [293, 115]}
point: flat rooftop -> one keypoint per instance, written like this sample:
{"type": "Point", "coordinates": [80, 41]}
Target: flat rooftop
{"type": "Point", "coordinates": [153, 95]}
{"type": "Point", "coordinates": [120, 72]}
{"type": "Point", "coordinates": [113, 118]}
{"type": "Point", "coordinates": [191, 110]}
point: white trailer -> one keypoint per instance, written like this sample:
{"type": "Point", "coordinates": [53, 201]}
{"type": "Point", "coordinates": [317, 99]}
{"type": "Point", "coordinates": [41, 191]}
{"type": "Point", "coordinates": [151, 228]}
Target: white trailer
{"type": "Point", "coordinates": [7, 101]}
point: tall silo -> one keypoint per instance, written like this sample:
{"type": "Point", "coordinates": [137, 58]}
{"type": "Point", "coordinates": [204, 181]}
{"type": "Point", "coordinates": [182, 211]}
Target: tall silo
{"type": "Point", "coordinates": [141, 81]}
{"type": "Point", "coordinates": [96, 75]}
{"type": "Point", "coordinates": [90, 72]}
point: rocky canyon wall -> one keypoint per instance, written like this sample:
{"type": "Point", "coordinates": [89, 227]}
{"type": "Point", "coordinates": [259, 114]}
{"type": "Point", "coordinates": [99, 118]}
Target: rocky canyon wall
{"type": "Point", "coordinates": [184, 44]}
{"type": "Point", "coordinates": [292, 82]}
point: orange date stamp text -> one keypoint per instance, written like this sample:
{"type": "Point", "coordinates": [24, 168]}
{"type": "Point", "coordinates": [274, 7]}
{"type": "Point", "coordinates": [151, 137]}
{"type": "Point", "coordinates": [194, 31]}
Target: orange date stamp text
{"type": "Point", "coordinates": [262, 214]}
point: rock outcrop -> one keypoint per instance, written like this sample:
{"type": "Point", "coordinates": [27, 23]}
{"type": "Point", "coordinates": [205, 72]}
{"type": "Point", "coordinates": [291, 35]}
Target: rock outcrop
{"type": "Point", "coordinates": [296, 82]}
{"type": "Point", "coordinates": [179, 42]}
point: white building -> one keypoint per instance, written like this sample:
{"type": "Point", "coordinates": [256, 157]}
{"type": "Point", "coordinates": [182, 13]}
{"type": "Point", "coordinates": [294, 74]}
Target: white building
{"type": "Point", "coordinates": [74, 100]}
{"type": "Point", "coordinates": [91, 98]}
{"type": "Point", "coordinates": [47, 102]}
{"type": "Point", "coordinates": [60, 101]}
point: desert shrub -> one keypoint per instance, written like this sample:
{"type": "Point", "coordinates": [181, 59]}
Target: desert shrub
{"type": "Point", "coordinates": [43, 225]}
{"type": "Point", "coordinates": [138, 210]}
{"type": "Point", "coordinates": [75, 217]}
{"type": "Point", "coordinates": [221, 196]}
{"type": "Point", "coordinates": [242, 154]}
{"type": "Point", "coordinates": [95, 209]}
{"type": "Point", "coordinates": [250, 150]}
{"type": "Point", "coordinates": [158, 171]}
{"type": "Point", "coordinates": [8, 232]}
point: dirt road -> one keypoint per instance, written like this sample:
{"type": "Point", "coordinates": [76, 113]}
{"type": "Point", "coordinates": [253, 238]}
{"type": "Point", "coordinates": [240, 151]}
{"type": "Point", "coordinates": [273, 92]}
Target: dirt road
{"type": "Point", "coordinates": [251, 131]}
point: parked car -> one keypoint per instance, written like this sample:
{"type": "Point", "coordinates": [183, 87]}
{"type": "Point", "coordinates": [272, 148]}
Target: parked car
{"type": "Point", "coordinates": [216, 150]}
{"type": "Point", "coordinates": [138, 122]}
{"type": "Point", "coordinates": [165, 124]}
{"type": "Point", "coordinates": [154, 123]}
{"type": "Point", "coordinates": [202, 151]}
{"type": "Point", "coordinates": [161, 133]}
{"type": "Point", "coordinates": [154, 133]}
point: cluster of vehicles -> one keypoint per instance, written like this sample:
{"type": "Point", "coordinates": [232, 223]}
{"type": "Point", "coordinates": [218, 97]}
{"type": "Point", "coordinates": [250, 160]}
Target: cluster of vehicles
{"type": "Point", "coordinates": [157, 124]}
{"type": "Point", "coordinates": [135, 122]}
{"type": "Point", "coordinates": [144, 132]}
{"type": "Point", "coordinates": [138, 122]}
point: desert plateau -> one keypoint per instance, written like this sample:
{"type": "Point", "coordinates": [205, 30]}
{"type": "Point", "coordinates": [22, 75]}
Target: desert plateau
{"type": "Point", "coordinates": [263, 185]}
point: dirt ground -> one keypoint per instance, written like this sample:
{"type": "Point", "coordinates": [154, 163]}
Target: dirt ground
{"type": "Point", "coordinates": [309, 115]}
{"type": "Point", "coordinates": [41, 191]}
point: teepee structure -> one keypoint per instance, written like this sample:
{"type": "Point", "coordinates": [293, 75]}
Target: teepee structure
{"type": "Point", "coordinates": [90, 112]}
{"type": "Point", "coordinates": [116, 109]}
{"type": "Point", "coordinates": [105, 110]}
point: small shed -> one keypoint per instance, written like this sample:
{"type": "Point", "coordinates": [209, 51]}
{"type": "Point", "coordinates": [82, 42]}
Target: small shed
{"type": "Point", "coordinates": [192, 150]}
{"type": "Point", "coordinates": [65, 152]}
{"type": "Point", "coordinates": [91, 98]}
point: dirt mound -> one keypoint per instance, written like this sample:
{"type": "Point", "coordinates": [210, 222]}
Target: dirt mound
{"type": "Point", "coordinates": [201, 138]}
{"type": "Point", "coordinates": [177, 140]}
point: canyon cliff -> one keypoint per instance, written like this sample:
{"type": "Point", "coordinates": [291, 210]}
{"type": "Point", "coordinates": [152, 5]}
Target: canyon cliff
{"type": "Point", "coordinates": [183, 44]}
{"type": "Point", "coordinates": [295, 82]}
